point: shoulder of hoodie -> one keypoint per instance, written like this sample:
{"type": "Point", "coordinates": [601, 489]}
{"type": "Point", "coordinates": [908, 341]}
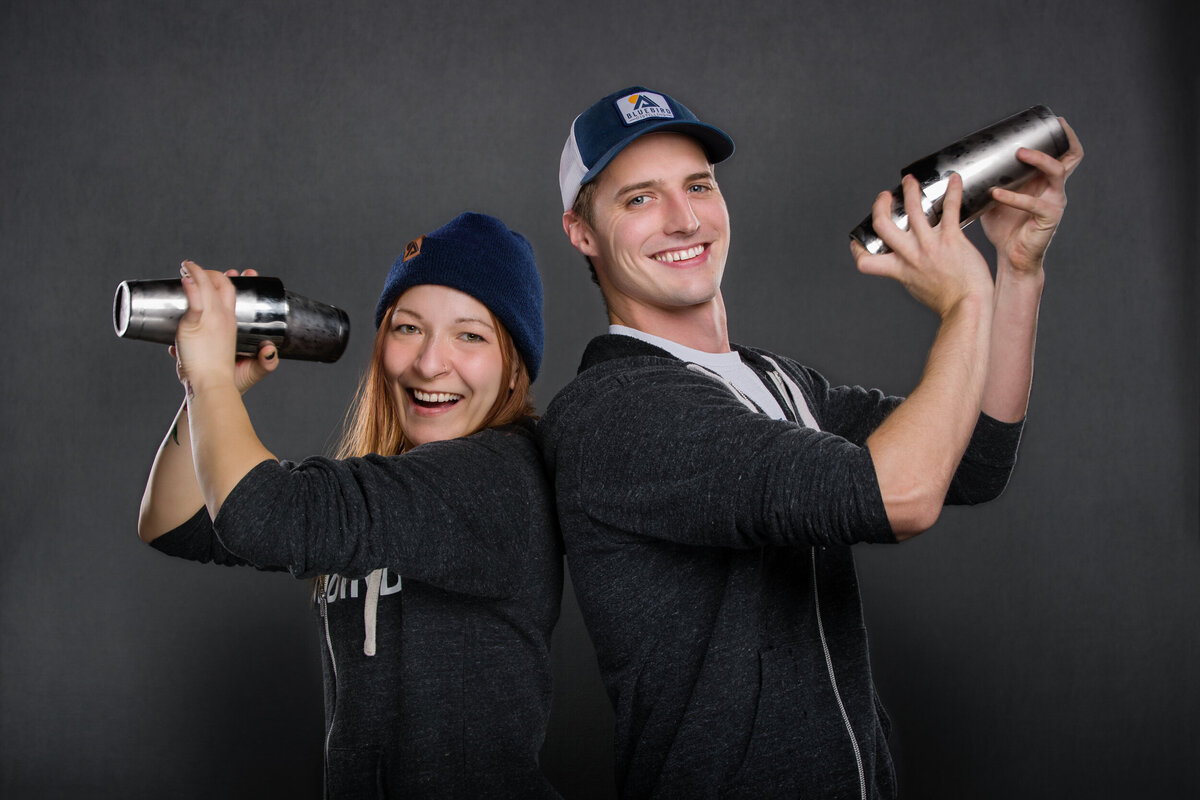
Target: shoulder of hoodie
{"type": "Point", "coordinates": [513, 444]}
{"type": "Point", "coordinates": [613, 362]}
{"type": "Point", "coordinates": [624, 358]}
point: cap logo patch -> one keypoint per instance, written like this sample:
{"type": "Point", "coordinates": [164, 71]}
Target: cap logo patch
{"type": "Point", "coordinates": [641, 106]}
{"type": "Point", "coordinates": [413, 249]}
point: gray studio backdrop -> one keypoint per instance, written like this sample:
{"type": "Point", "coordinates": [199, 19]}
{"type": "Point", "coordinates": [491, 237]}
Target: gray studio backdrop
{"type": "Point", "coordinates": [1045, 645]}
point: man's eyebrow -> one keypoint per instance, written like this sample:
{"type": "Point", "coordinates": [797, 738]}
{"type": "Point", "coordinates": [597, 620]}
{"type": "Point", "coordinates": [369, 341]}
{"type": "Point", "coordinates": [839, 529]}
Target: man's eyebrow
{"type": "Point", "coordinates": [635, 187]}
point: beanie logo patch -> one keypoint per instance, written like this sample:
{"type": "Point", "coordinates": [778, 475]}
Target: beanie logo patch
{"type": "Point", "coordinates": [641, 106]}
{"type": "Point", "coordinates": [413, 249]}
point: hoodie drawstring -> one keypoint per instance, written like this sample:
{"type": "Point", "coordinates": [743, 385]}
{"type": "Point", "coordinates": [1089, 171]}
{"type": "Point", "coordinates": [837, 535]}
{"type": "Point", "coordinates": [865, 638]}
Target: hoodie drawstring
{"type": "Point", "coordinates": [793, 393]}
{"type": "Point", "coordinates": [746, 401]}
{"type": "Point", "coordinates": [783, 383]}
{"type": "Point", "coordinates": [370, 607]}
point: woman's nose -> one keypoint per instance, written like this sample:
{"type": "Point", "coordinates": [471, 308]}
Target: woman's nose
{"type": "Point", "coordinates": [431, 360]}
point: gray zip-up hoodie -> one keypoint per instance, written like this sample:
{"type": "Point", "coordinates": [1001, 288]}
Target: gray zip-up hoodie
{"type": "Point", "coordinates": [709, 549]}
{"type": "Point", "coordinates": [454, 702]}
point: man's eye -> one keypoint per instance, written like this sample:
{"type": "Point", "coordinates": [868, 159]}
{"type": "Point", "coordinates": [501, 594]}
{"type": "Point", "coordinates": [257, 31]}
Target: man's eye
{"type": "Point", "coordinates": [697, 187]}
{"type": "Point", "coordinates": [640, 200]}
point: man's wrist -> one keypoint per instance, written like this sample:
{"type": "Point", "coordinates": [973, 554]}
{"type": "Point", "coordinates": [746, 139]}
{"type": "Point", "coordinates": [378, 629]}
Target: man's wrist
{"type": "Point", "coordinates": [976, 302]}
{"type": "Point", "coordinates": [1032, 271]}
{"type": "Point", "coordinates": [1027, 281]}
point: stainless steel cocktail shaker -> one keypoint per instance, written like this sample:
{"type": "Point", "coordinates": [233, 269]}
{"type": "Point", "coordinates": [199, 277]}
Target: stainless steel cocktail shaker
{"type": "Point", "coordinates": [300, 328]}
{"type": "Point", "coordinates": [985, 159]}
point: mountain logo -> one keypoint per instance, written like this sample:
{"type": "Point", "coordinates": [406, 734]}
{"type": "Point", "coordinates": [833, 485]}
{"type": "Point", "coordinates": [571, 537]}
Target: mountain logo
{"type": "Point", "coordinates": [413, 249]}
{"type": "Point", "coordinates": [643, 106]}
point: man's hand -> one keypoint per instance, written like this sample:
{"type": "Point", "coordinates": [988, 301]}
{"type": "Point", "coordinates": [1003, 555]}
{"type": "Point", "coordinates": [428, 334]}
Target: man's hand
{"type": "Point", "coordinates": [938, 265]}
{"type": "Point", "coordinates": [1021, 224]}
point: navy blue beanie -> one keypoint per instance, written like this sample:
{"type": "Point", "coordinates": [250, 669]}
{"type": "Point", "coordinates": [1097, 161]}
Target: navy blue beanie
{"type": "Point", "coordinates": [479, 255]}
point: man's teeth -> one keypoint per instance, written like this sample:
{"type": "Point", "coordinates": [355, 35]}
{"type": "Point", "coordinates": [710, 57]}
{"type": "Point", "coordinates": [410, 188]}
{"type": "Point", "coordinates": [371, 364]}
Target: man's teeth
{"type": "Point", "coordinates": [435, 397]}
{"type": "Point", "coordinates": [680, 255]}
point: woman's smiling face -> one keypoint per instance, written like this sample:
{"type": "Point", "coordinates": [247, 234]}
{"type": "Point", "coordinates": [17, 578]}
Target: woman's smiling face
{"type": "Point", "coordinates": [442, 359]}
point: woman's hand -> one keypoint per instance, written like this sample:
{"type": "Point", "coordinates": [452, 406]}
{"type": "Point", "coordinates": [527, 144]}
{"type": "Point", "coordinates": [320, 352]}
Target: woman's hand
{"type": "Point", "coordinates": [206, 340]}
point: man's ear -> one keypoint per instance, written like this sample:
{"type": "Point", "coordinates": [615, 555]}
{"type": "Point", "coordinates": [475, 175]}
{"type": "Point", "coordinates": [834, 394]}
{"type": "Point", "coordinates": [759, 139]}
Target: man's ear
{"type": "Point", "coordinates": [582, 237]}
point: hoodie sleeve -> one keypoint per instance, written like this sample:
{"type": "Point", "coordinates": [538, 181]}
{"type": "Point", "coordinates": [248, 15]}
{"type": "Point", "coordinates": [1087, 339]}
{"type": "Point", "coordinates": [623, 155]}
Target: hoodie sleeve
{"type": "Point", "coordinates": [669, 453]}
{"type": "Point", "coordinates": [195, 540]}
{"type": "Point", "coordinates": [855, 412]}
{"type": "Point", "coordinates": [988, 462]}
{"type": "Point", "coordinates": [456, 514]}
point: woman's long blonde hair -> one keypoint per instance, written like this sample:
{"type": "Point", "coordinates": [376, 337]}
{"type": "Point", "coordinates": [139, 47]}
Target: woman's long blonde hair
{"type": "Point", "coordinates": [372, 425]}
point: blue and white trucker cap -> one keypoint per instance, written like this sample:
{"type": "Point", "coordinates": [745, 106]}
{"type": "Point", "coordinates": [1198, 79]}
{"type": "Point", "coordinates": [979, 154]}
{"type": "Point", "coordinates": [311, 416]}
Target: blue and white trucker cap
{"type": "Point", "coordinates": [608, 126]}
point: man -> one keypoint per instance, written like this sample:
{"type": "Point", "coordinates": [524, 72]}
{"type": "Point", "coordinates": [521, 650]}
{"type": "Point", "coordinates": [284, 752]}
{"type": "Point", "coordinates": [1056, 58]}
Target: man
{"type": "Point", "coordinates": [708, 493]}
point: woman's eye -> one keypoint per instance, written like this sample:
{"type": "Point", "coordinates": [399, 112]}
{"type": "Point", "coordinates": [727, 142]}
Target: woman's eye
{"type": "Point", "coordinates": [472, 337]}
{"type": "Point", "coordinates": [405, 327]}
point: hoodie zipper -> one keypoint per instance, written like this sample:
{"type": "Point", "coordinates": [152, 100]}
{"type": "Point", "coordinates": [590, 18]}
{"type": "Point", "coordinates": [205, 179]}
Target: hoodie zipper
{"type": "Point", "coordinates": [858, 761]}
{"type": "Point", "coordinates": [323, 588]}
{"type": "Point", "coordinates": [793, 398]}
{"type": "Point", "coordinates": [791, 392]}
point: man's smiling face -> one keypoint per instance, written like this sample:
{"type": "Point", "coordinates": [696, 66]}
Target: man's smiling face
{"type": "Point", "coordinates": [660, 231]}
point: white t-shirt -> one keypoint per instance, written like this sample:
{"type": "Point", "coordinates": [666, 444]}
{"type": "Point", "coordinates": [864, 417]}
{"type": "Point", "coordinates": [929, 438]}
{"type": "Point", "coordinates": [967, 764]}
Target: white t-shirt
{"type": "Point", "coordinates": [728, 365]}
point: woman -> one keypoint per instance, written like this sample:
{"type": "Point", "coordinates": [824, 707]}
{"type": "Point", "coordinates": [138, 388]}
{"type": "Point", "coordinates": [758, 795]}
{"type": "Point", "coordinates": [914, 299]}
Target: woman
{"type": "Point", "coordinates": [437, 675]}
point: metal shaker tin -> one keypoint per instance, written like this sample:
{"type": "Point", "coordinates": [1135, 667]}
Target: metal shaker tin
{"type": "Point", "coordinates": [300, 328]}
{"type": "Point", "coordinates": [985, 159]}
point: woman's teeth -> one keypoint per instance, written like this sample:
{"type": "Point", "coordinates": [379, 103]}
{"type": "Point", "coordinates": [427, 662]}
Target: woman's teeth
{"type": "Point", "coordinates": [435, 397]}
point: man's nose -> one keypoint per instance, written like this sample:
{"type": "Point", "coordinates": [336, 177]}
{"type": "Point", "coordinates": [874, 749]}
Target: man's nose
{"type": "Point", "coordinates": [681, 218]}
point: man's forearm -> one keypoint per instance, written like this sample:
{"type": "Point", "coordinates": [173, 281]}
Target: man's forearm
{"type": "Point", "coordinates": [1014, 334]}
{"type": "Point", "coordinates": [918, 447]}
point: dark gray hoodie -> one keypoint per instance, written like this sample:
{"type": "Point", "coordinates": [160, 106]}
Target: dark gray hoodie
{"type": "Point", "coordinates": [709, 547]}
{"type": "Point", "coordinates": [455, 701]}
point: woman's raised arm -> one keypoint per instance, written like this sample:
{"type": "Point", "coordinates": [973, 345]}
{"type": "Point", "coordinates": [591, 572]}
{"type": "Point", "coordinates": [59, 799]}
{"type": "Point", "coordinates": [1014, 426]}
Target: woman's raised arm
{"type": "Point", "coordinates": [173, 492]}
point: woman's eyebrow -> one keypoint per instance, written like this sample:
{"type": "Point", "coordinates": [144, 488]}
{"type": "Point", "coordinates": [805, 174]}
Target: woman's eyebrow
{"type": "Point", "coordinates": [458, 321]}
